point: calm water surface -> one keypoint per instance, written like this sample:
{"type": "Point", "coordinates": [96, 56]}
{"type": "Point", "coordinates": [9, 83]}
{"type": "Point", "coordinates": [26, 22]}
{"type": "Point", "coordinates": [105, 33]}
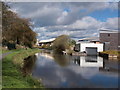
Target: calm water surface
{"type": "Point", "coordinates": [63, 71]}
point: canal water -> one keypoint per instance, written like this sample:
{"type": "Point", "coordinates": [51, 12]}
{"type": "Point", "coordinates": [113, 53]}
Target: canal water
{"type": "Point", "coordinates": [64, 71]}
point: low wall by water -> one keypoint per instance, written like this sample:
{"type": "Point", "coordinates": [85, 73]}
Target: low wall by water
{"type": "Point", "coordinates": [108, 56]}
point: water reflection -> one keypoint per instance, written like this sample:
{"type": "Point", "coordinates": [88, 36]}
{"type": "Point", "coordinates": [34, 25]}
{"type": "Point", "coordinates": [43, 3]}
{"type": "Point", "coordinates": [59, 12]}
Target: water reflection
{"type": "Point", "coordinates": [62, 60]}
{"type": "Point", "coordinates": [88, 61]}
{"type": "Point", "coordinates": [62, 71]}
{"type": "Point", "coordinates": [29, 63]}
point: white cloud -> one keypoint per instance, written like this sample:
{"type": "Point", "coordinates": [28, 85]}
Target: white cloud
{"type": "Point", "coordinates": [86, 23]}
{"type": "Point", "coordinates": [53, 19]}
{"type": "Point", "coordinates": [45, 14]}
{"type": "Point", "coordinates": [62, 17]}
{"type": "Point", "coordinates": [111, 23]}
{"type": "Point", "coordinates": [84, 27]}
{"type": "Point", "coordinates": [37, 29]}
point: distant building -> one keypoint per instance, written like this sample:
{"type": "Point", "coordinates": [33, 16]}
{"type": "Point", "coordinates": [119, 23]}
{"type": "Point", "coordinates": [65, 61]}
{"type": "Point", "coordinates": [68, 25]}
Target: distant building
{"type": "Point", "coordinates": [46, 42]}
{"type": "Point", "coordinates": [110, 38]}
{"type": "Point", "coordinates": [37, 42]}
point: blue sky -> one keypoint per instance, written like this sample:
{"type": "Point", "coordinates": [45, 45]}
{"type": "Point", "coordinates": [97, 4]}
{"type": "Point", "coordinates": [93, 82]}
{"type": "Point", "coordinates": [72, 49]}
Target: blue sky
{"type": "Point", "coordinates": [76, 19]}
{"type": "Point", "coordinates": [103, 15]}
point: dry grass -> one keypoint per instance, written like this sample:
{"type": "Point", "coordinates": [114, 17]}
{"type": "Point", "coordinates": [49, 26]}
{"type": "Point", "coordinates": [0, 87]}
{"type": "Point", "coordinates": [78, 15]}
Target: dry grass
{"type": "Point", "coordinates": [112, 52]}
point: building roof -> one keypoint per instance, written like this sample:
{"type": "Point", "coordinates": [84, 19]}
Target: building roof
{"type": "Point", "coordinates": [109, 31]}
{"type": "Point", "coordinates": [48, 40]}
{"type": "Point", "coordinates": [89, 39]}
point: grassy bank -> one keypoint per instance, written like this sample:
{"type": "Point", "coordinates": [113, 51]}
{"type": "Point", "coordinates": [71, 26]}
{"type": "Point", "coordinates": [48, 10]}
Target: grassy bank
{"type": "Point", "coordinates": [12, 76]}
{"type": "Point", "coordinates": [112, 52]}
{"type": "Point", "coordinates": [0, 75]}
{"type": "Point", "coordinates": [3, 50]}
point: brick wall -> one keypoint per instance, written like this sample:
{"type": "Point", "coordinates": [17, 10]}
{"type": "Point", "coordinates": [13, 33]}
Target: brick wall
{"type": "Point", "coordinates": [113, 38]}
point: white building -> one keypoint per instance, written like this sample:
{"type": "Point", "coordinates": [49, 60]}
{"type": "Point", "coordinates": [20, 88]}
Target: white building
{"type": "Point", "coordinates": [48, 41]}
{"type": "Point", "coordinates": [83, 46]}
{"type": "Point", "coordinates": [37, 42]}
{"type": "Point", "coordinates": [89, 48]}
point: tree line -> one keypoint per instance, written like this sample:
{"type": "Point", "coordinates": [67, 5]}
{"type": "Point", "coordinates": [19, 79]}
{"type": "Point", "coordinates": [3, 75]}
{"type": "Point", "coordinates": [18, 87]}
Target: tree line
{"type": "Point", "coordinates": [15, 29]}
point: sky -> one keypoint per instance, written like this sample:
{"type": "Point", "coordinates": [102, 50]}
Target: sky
{"type": "Point", "coordinates": [76, 19]}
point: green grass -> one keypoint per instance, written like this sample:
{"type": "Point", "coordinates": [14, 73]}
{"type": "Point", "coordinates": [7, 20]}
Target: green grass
{"type": "Point", "coordinates": [0, 75]}
{"type": "Point", "coordinates": [5, 51]}
{"type": "Point", "coordinates": [112, 52]}
{"type": "Point", "coordinates": [11, 74]}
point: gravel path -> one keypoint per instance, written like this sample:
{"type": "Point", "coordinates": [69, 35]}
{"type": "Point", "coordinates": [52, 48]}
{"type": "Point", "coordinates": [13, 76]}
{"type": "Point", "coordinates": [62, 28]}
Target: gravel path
{"type": "Point", "coordinates": [3, 55]}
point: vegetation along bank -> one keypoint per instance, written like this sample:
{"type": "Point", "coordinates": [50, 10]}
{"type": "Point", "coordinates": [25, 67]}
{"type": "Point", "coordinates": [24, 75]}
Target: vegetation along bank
{"type": "Point", "coordinates": [11, 71]}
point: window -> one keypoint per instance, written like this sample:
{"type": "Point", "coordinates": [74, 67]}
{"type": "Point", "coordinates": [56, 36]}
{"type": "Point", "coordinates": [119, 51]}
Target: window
{"type": "Point", "coordinates": [108, 35]}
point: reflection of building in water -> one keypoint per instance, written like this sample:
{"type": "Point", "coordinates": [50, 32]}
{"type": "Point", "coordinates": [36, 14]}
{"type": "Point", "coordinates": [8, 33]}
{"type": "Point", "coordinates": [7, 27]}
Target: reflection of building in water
{"type": "Point", "coordinates": [47, 55]}
{"type": "Point", "coordinates": [107, 67]}
{"type": "Point", "coordinates": [89, 61]}
{"type": "Point", "coordinates": [76, 60]}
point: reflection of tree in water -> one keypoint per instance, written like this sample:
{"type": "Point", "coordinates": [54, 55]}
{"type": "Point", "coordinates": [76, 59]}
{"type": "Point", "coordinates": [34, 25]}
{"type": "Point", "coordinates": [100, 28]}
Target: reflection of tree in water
{"type": "Point", "coordinates": [29, 63]}
{"type": "Point", "coordinates": [62, 60]}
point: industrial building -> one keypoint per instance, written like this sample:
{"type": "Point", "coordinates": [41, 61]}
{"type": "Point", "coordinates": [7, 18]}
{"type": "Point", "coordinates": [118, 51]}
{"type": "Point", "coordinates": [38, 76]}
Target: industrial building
{"type": "Point", "coordinates": [110, 38]}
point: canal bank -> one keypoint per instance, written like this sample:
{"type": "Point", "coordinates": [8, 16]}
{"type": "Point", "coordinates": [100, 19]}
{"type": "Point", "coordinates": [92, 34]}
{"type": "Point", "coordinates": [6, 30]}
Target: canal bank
{"type": "Point", "coordinates": [12, 76]}
{"type": "Point", "coordinates": [110, 54]}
